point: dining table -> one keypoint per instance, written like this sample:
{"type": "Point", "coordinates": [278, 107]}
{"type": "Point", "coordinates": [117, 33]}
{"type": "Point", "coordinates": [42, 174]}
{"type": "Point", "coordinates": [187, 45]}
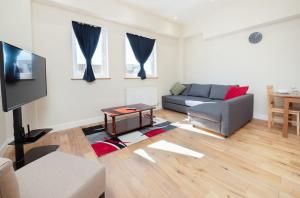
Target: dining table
{"type": "Point", "coordinates": [288, 99]}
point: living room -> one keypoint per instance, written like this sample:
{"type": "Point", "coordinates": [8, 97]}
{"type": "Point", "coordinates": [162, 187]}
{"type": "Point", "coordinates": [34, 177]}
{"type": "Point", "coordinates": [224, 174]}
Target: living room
{"type": "Point", "coordinates": [227, 148]}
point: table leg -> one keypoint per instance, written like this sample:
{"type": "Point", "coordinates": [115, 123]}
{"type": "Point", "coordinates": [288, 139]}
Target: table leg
{"type": "Point", "coordinates": [151, 117]}
{"type": "Point", "coordinates": [270, 118]}
{"type": "Point", "coordinates": [286, 118]}
{"type": "Point", "coordinates": [141, 119]}
{"type": "Point", "coordinates": [114, 127]}
{"type": "Point", "coordinates": [105, 122]}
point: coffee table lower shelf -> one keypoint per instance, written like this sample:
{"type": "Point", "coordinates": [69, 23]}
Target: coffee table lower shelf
{"type": "Point", "coordinates": [127, 125]}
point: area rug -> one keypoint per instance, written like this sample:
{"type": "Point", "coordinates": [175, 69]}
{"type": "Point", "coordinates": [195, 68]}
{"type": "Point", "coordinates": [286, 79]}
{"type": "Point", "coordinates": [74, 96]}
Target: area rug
{"type": "Point", "coordinates": [102, 143]}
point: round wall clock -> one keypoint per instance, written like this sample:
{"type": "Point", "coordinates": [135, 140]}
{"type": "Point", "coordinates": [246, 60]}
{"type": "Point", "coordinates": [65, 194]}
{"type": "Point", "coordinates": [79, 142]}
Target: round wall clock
{"type": "Point", "coordinates": [255, 37]}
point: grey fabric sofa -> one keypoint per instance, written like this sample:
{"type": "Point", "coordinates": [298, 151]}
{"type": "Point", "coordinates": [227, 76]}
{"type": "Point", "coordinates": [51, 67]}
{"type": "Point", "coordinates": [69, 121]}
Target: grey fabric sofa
{"type": "Point", "coordinates": [206, 107]}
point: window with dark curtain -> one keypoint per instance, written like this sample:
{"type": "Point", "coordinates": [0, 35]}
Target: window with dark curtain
{"type": "Point", "coordinates": [87, 37]}
{"type": "Point", "coordinates": [142, 48]}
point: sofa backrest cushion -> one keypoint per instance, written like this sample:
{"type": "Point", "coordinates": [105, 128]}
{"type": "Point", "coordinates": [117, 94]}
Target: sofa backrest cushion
{"type": "Point", "coordinates": [218, 92]}
{"type": "Point", "coordinates": [9, 187]}
{"type": "Point", "coordinates": [200, 90]}
{"type": "Point", "coordinates": [187, 89]}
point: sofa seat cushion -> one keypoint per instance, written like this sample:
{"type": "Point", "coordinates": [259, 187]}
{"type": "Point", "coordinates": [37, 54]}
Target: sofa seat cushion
{"type": "Point", "coordinates": [211, 111]}
{"type": "Point", "coordinates": [61, 175]}
{"type": "Point", "coordinates": [185, 100]}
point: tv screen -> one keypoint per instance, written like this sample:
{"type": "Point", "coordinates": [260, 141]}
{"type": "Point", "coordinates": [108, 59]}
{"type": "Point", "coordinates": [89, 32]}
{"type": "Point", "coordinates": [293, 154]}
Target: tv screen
{"type": "Point", "coordinates": [23, 76]}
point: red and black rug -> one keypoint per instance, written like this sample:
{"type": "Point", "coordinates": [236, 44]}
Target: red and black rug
{"type": "Point", "coordinates": [102, 143]}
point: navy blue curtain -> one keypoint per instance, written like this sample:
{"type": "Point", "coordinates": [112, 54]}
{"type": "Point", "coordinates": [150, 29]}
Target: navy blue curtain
{"type": "Point", "coordinates": [87, 37]}
{"type": "Point", "coordinates": [142, 48]}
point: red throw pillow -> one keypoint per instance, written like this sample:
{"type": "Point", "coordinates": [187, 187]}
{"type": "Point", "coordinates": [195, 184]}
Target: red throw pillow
{"type": "Point", "coordinates": [235, 91]}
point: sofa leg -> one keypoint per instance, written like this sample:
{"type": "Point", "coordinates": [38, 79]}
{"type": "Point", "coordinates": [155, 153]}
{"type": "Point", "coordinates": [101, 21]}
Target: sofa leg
{"type": "Point", "coordinates": [103, 195]}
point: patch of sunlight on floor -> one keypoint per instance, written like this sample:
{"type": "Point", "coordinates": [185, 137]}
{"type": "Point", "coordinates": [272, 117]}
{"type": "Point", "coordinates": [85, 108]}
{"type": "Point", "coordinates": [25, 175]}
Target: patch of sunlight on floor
{"type": "Point", "coordinates": [174, 148]}
{"type": "Point", "coordinates": [190, 127]}
{"type": "Point", "coordinates": [144, 154]}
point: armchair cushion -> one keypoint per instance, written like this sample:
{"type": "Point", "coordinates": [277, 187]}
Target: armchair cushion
{"type": "Point", "coordinates": [9, 187]}
{"type": "Point", "coordinates": [61, 175]}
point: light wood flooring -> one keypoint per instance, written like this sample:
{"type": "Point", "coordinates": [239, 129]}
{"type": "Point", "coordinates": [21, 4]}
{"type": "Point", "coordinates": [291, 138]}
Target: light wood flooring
{"type": "Point", "coordinates": [254, 162]}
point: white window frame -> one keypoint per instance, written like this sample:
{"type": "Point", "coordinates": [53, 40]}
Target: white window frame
{"type": "Point", "coordinates": [153, 59]}
{"type": "Point", "coordinates": [105, 71]}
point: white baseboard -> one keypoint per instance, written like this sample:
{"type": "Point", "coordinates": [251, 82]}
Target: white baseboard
{"type": "Point", "coordinates": [73, 124]}
{"type": "Point", "coordinates": [59, 127]}
{"type": "Point", "coordinates": [260, 116]}
{"type": "Point", "coordinates": [78, 123]}
{"type": "Point", "coordinates": [278, 120]}
{"type": "Point", "coordinates": [159, 106]}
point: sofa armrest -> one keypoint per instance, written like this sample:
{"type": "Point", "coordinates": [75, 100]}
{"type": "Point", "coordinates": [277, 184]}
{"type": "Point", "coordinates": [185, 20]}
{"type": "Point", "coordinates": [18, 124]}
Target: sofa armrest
{"type": "Point", "coordinates": [236, 113]}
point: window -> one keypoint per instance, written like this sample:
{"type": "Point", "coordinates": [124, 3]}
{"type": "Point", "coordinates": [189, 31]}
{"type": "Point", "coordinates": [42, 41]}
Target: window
{"type": "Point", "coordinates": [133, 66]}
{"type": "Point", "coordinates": [99, 60]}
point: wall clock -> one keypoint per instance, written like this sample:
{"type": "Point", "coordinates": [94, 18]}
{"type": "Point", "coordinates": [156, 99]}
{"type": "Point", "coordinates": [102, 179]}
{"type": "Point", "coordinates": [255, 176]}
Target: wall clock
{"type": "Point", "coordinates": [255, 37]}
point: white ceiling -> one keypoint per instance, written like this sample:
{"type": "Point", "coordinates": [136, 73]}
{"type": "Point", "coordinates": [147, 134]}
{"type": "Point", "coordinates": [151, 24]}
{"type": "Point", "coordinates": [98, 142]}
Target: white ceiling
{"type": "Point", "coordinates": [180, 11]}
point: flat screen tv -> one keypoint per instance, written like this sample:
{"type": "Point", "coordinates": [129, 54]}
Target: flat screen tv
{"type": "Point", "coordinates": [23, 76]}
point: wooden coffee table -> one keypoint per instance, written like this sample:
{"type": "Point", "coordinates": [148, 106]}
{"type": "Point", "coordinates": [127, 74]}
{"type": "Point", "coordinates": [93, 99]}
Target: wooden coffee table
{"type": "Point", "coordinates": [130, 119]}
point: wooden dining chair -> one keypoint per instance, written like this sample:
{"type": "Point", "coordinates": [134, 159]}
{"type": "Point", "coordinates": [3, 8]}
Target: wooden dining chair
{"type": "Point", "coordinates": [273, 109]}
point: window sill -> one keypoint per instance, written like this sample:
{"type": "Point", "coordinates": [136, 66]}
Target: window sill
{"type": "Point", "coordinates": [102, 78]}
{"type": "Point", "coordinates": [132, 78]}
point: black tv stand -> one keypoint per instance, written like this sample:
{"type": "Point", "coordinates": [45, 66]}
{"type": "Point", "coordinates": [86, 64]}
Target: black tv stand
{"type": "Point", "coordinates": [18, 135]}
{"type": "Point", "coordinates": [34, 135]}
{"type": "Point", "coordinates": [21, 138]}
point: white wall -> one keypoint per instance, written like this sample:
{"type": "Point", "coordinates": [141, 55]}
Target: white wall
{"type": "Point", "coordinates": [222, 55]}
{"type": "Point", "coordinates": [15, 28]}
{"type": "Point", "coordinates": [75, 101]}
{"type": "Point", "coordinates": [15, 22]}
{"type": "Point", "coordinates": [241, 15]}
{"type": "Point", "coordinates": [118, 12]}
{"type": "Point", "coordinates": [231, 59]}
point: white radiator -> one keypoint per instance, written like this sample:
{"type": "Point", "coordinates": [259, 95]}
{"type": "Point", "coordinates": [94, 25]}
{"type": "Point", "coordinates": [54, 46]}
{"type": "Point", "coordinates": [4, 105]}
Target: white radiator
{"type": "Point", "coordinates": [146, 95]}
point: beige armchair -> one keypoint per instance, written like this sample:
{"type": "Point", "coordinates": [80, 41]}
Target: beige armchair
{"type": "Point", "coordinates": [56, 175]}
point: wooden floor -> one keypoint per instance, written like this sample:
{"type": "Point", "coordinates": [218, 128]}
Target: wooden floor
{"type": "Point", "coordinates": [254, 162]}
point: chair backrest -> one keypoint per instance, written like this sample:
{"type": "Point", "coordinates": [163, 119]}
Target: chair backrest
{"type": "Point", "coordinates": [270, 96]}
{"type": "Point", "coordinates": [9, 187]}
